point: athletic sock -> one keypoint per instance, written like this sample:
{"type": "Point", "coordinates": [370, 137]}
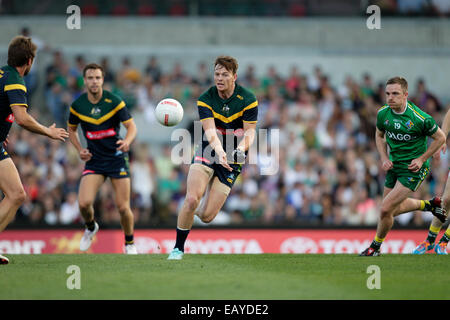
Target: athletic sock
{"type": "Point", "coordinates": [181, 238]}
{"type": "Point", "coordinates": [445, 237]}
{"type": "Point", "coordinates": [129, 239]}
{"type": "Point", "coordinates": [425, 205]}
{"type": "Point", "coordinates": [90, 225]}
{"type": "Point", "coordinates": [376, 243]}
{"type": "Point", "coordinates": [432, 234]}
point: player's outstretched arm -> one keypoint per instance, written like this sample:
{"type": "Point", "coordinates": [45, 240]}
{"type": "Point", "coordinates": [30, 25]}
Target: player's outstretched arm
{"type": "Point", "coordinates": [26, 121]}
{"type": "Point", "coordinates": [249, 136]}
{"type": "Point", "coordinates": [446, 123]}
{"type": "Point", "coordinates": [211, 134]}
{"type": "Point", "coordinates": [445, 129]}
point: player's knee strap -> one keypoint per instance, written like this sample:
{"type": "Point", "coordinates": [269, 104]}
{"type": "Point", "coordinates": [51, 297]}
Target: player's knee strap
{"type": "Point", "coordinates": [219, 186]}
{"type": "Point", "coordinates": [202, 168]}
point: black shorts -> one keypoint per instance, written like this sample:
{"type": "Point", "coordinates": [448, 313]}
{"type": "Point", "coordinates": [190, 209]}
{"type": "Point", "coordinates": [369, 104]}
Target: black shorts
{"type": "Point", "coordinates": [3, 154]}
{"type": "Point", "coordinates": [116, 168]}
{"type": "Point", "coordinates": [226, 177]}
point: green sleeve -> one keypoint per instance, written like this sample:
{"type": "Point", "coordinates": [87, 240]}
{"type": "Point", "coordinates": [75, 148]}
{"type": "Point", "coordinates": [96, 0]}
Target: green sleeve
{"type": "Point", "coordinates": [429, 126]}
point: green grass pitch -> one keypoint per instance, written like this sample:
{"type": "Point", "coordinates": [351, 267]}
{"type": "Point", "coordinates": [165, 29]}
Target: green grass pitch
{"type": "Point", "coordinates": [225, 277]}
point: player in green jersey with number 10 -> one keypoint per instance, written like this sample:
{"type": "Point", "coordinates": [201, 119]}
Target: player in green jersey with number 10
{"type": "Point", "coordinates": [404, 128]}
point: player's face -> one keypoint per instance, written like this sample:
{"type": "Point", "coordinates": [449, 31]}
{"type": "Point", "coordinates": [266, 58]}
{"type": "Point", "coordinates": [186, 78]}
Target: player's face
{"type": "Point", "coordinates": [223, 79]}
{"type": "Point", "coordinates": [93, 80]}
{"type": "Point", "coordinates": [395, 96]}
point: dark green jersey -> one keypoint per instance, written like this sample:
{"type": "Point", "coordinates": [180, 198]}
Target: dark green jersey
{"type": "Point", "coordinates": [12, 93]}
{"type": "Point", "coordinates": [406, 133]}
{"type": "Point", "coordinates": [100, 123]}
{"type": "Point", "coordinates": [229, 115]}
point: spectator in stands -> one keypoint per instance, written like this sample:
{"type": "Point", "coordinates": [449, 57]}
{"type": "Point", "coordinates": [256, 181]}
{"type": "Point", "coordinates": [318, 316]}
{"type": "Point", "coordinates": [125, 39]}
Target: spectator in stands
{"type": "Point", "coordinates": [70, 213]}
{"type": "Point", "coordinates": [142, 182]}
{"type": "Point", "coordinates": [32, 78]}
{"type": "Point", "coordinates": [110, 76]}
{"type": "Point", "coordinates": [424, 98]}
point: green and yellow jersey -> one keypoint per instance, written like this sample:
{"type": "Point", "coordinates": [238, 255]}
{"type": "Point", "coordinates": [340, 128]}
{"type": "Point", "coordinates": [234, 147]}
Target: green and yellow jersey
{"type": "Point", "coordinates": [100, 123]}
{"type": "Point", "coordinates": [230, 114]}
{"type": "Point", "coordinates": [13, 92]}
{"type": "Point", "coordinates": [406, 133]}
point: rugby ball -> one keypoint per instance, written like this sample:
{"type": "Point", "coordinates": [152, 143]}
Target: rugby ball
{"type": "Point", "coordinates": [169, 112]}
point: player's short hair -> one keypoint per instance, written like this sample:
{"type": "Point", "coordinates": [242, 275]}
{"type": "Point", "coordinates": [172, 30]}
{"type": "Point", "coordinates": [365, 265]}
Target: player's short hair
{"type": "Point", "coordinates": [399, 80]}
{"type": "Point", "coordinates": [228, 63]}
{"type": "Point", "coordinates": [93, 66]}
{"type": "Point", "coordinates": [20, 50]}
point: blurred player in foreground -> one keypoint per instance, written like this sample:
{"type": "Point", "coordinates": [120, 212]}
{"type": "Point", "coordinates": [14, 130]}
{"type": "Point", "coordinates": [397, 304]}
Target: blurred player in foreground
{"type": "Point", "coordinates": [229, 114]}
{"type": "Point", "coordinates": [100, 114]}
{"type": "Point", "coordinates": [405, 128]}
{"type": "Point", "coordinates": [13, 106]}
{"type": "Point", "coordinates": [436, 224]}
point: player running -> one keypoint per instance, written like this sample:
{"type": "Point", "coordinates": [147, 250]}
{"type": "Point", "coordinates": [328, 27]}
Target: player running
{"type": "Point", "coordinates": [436, 224]}
{"type": "Point", "coordinates": [13, 106]}
{"type": "Point", "coordinates": [229, 114]}
{"type": "Point", "coordinates": [404, 128]}
{"type": "Point", "coordinates": [100, 113]}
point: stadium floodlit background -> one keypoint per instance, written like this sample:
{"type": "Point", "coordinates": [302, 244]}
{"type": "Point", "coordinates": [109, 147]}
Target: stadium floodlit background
{"type": "Point", "coordinates": [316, 68]}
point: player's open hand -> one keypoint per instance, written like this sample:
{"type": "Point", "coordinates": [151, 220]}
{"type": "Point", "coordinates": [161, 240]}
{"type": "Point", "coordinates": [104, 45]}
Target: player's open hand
{"type": "Point", "coordinates": [85, 155]}
{"type": "Point", "coordinates": [415, 165]}
{"type": "Point", "coordinates": [57, 133]}
{"type": "Point", "coordinates": [123, 145]}
{"type": "Point", "coordinates": [387, 165]}
{"type": "Point", "coordinates": [224, 161]}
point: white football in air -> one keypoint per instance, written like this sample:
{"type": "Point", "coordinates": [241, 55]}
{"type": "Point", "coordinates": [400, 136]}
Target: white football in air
{"type": "Point", "coordinates": [169, 112]}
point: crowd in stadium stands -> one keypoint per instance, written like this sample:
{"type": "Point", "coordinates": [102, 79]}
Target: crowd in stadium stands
{"type": "Point", "coordinates": [329, 169]}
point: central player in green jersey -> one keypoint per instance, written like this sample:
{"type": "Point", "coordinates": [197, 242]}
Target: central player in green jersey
{"type": "Point", "coordinates": [405, 129]}
{"type": "Point", "coordinates": [229, 114]}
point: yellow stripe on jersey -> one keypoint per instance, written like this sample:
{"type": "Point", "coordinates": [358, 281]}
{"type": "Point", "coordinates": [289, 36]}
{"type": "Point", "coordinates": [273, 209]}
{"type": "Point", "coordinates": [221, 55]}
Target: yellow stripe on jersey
{"type": "Point", "coordinates": [202, 104]}
{"type": "Point", "coordinates": [416, 113]}
{"type": "Point", "coordinates": [383, 107]}
{"type": "Point", "coordinates": [17, 86]}
{"type": "Point", "coordinates": [99, 120]}
{"type": "Point", "coordinates": [72, 125]}
{"type": "Point", "coordinates": [250, 121]}
{"type": "Point", "coordinates": [230, 118]}
{"type": "Point", "coordinates": [18, 104]}
{"type": "Point", "coordinates": [251, 105]}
